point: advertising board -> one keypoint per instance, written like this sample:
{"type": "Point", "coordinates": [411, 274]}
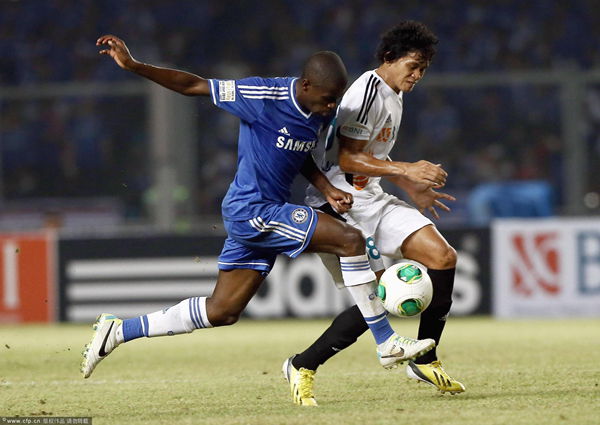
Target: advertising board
{"type": "Point", "coordinates": [546, 268]}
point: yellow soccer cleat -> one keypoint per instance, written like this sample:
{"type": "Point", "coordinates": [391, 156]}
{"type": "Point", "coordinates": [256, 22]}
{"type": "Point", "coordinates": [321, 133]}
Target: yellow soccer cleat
{"type": "Point", "coordinates": [434, 374]}
{"type": "Point", "coordinates": [301, 383]}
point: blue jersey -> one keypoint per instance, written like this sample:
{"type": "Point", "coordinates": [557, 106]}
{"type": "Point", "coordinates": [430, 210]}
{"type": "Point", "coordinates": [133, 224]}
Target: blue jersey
{"type": "Point", "coordinates": [275, 138]}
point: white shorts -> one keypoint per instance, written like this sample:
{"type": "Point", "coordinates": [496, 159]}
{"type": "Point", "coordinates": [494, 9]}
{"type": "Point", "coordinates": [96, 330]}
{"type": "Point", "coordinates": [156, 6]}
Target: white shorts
{"type": "Point", "coordinates": [385, 222]}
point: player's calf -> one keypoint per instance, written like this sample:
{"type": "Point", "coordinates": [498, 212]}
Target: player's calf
{"type": "Point", "coordinates": [222, 315]}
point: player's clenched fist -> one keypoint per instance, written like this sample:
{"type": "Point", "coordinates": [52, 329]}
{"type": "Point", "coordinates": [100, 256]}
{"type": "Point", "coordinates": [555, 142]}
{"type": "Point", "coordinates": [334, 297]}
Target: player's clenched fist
{"type": "Point", "coordinates": [340, 201]}
{"type": "Point", "coordinates": [117, 49]}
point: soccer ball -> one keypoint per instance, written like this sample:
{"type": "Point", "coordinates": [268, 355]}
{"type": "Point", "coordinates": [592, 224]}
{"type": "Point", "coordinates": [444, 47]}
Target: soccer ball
{"type": "Point", "coordinates": [405, 288]}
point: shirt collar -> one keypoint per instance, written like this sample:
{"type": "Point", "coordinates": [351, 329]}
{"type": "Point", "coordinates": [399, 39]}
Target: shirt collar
{"type": "Point", "coordinates": [293, 96]}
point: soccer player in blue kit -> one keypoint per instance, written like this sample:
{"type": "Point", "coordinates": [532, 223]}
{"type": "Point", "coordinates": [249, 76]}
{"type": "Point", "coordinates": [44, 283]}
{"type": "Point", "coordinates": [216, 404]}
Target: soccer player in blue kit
{"type": "Point", "coordinates": [280, 119]}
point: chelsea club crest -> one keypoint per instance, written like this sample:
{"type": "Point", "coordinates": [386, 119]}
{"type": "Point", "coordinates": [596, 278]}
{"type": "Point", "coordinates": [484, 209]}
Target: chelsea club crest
{"type": "Point", "coordinates": [299, 215]}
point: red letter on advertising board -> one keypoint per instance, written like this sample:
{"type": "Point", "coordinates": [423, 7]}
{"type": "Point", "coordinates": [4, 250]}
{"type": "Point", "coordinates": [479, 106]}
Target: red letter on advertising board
{"type": "Point", "coordinates": [536, 265]}
{"type": "Point", "coordinates": [27, 277]}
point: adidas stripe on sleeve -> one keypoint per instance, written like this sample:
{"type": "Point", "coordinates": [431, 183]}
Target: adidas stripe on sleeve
{"type": "Point", "coordinates": [245, 98]}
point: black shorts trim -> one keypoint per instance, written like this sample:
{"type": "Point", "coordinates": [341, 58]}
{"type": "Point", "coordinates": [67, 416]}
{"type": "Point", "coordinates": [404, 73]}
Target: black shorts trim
{"type": "Point", "coordinates": [328, 209]}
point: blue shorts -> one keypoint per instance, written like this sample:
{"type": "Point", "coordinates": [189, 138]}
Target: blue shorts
{"type": "Point", "coordinates": [278, 229]}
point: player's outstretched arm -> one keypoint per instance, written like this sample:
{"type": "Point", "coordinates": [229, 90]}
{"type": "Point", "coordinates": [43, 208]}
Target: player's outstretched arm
{"type": "Point", "coordinates": [179, 81]}
{"type": "Point", "coordinates": [340, 201]}
{"type": "Point", "coordinates": [354, 160]}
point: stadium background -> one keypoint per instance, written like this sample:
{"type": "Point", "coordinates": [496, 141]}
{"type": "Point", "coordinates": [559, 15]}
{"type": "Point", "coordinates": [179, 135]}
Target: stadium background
{"type": "Point", "coordinates": [110, 187]}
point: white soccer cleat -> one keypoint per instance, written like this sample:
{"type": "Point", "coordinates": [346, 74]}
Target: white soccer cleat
{"type": "Point", "coordinates": [103, 342]}
{"type": "Point", "coordinates": [397, 349]}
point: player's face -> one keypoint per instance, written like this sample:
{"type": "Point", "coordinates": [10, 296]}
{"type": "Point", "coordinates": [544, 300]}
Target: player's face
{"type": "Point", "coordinates": [321, 100]}
{"type": "Point", "coordinates": [406, 71]}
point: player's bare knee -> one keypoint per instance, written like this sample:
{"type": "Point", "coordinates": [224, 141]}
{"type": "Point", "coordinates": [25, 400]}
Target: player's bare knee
{"type": "Point", "coordinates": [353, 243]}
{"type": "Point", "coordinates": [443, 258]}
{"type": "Point", "coordinates": [449, 258]}
{"type": "Point", "coordinates": [220, 314]}
{"type": "Point", "coordinates": [230, 319]}
{"type": "Point", "coordinates": [224, 318]}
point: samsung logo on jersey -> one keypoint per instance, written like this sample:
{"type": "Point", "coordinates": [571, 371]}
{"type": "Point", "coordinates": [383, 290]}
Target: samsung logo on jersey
{"type": "Point", "coordinates": [294, 145]}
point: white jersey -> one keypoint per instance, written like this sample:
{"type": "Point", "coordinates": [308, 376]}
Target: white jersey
{"type": "Point", "coordinates": [370, 110]}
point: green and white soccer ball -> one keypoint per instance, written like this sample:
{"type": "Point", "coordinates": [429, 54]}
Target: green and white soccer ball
{"type": "Point", "coordinates": [405, 288]}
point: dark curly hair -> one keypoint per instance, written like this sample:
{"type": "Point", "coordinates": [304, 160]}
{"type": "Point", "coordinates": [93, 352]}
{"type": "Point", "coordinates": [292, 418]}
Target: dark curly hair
{"type": "Point", "coordinates": [406, 37]}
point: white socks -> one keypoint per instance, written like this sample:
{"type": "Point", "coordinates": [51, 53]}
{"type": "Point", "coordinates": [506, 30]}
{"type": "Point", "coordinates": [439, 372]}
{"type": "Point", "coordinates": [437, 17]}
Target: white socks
{"type": "Point", "coordinates": [184, 317]}
{"type": "Point", "coordinates": [360, 280]}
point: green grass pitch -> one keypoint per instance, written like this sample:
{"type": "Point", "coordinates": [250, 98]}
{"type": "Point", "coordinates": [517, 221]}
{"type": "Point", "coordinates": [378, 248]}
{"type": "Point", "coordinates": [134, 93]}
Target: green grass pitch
{"type": "Point", "coordinates": [516, 372]}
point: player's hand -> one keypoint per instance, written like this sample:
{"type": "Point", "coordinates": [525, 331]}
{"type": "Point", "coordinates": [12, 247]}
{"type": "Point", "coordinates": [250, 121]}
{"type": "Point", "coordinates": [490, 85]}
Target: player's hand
{"type": "Point", "coordinates": [427, 199]}
{"type": "Point", "coordinates": [340, 201]}
{"type": "Point", "coordinates": [425, 172]}
{"type": "Point", "coordinates": [117, 49]}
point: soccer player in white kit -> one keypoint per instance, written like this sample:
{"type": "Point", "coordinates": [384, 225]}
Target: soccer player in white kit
{"type": "Point", "coordinates": [355, 160]}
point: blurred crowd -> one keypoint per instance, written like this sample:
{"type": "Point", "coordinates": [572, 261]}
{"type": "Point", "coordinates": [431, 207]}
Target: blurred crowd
{"type": "Point", "coordinates": [89, 146]}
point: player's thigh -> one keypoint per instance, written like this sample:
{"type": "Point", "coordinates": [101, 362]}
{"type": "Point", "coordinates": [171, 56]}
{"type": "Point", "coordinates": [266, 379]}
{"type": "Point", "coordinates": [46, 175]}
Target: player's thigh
{"type": "Point", "coordinates": [399, 221]}
{"type": "Point", "coordinates": [430, 248]}
{"type": "Point", "coordinates": [336, 237]}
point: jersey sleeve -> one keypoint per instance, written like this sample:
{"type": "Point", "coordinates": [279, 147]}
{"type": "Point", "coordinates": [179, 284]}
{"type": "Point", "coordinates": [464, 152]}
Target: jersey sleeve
{"type": "Point", "coordinates": [231, 95]}
{"type": "Point", "coordinates": [359, 112]}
